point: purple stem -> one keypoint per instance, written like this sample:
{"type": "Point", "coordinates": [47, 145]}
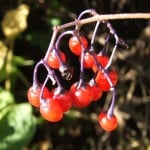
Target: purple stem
{"type": "Point", "coordinates": [82, 68]}
{"type": "Point", "coordinates": [94, 33]}
{"type": "Point", "coordinates": [61, 36]}
{"type": "Point", "coordinates": [103, 51]}
{"type": "Point", "coordinates": [111, 108]}
{"type": "Point", "coordinates": [51, 74]}
{"type": "Point", "coordinates": [35, 80]}
{"type": "Point", "coordinates": [94, 57]}
{"type": "Point", "coordinates": [42, 100]}
{"type": "Point", "coordinates": [112, 31]}
{"type": "Point", "coordinates": [111, 57]}
{"type": "Point", "coordinates": [107, 77]}
{"type": "Point", "coordinates": [92, 42]}
{"type": "Point", "coordinates": [60, 88]}
{"type": "Point", "coordinates": [96, 62]}
{"type": "Point", "coordinates": [81, 79]}
{"type": "Point", "coordinates": [57, 45]}
{"type": "Point", "coordinates": [88, 11]}
{"type": "Point", "coordinates": [51, 44]}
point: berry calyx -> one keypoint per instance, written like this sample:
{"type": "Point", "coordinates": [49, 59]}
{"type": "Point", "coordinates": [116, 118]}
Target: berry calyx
{"type": "Point", "coordinates": [106, 123]}
{"type": "Point", "coordinates": [33, 95]}
{"type": "Point", "coordinates": [51, 110]}
{"type": "Point", "coordinates": [53, 60]}
{"type": "Point", "coordinates": [75, 45]}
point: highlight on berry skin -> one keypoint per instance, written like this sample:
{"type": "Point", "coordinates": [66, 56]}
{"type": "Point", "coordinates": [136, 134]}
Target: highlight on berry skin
{"type": "Point", "coordinates": [52, 98]}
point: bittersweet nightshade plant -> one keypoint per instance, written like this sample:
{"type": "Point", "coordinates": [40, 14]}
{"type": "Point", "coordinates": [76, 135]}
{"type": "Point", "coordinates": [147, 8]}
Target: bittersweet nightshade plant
{"type": "Point", "coordinates": [54, 103]}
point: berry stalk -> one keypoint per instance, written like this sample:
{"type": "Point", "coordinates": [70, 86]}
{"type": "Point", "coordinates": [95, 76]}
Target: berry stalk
{"type": "Point", "coordinates": [111, 108]}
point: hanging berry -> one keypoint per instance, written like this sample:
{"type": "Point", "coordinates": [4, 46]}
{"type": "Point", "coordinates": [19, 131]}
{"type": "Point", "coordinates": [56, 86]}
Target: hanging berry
{"type": "Point", "coordinates": [55, 102]}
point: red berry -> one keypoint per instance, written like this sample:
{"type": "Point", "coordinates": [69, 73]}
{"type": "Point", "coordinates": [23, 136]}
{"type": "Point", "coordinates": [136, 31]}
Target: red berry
{"type": "Point", "coordinates": [108, 124]}
{"type": "Point", "coordinates": [33, 95]}
{"type": "Point", "coordinates": [75, 45]}
{"type": "Point", "coordinates": [51, 110]}
{"type": "Point", "coordinates": [102, 81]}
{"type": "Point", "coordinates": [82, 96]}
{"type": "Point", "coordinates": [103, 60]}
{"type": "Point", "coordinates": [64, 98]}
{"type": "Point", "coordinates": [53, 60]}
{"type": "Point", "coordinates": [97, 92]}
{"type": "Point", "coordinates": [88, 60]}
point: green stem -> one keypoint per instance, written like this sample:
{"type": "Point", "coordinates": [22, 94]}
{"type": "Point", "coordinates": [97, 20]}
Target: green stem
{"type": "Point", "coordinates": [10, 43]}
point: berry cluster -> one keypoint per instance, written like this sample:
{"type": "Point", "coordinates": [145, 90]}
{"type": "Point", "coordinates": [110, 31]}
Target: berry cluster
{"type": "Point", "coordinates": [55, 102]}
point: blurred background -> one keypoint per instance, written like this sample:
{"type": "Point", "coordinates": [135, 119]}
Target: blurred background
{"type": "Point", "coordinates": [25, 33]}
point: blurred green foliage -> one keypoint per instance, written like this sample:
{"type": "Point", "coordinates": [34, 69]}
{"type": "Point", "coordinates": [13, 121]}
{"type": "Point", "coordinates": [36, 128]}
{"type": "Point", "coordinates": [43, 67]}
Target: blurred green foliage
{"type": "Point", "coordinates": [21, 126]}
{"type": "Point", "coordinates": [17, 123]}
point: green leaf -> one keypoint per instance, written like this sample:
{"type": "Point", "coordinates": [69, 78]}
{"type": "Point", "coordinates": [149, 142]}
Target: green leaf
{"type": "Point", "coordinates": [55, 21]}
{"type": "Point", "coordinates": [6, 98]}
{"type": "Point", "coordinates": [17, 127]}
{"type": "Point", "coordinates": [3, 53]}
{"type": "Point", "coordinates": [2, 74]}
{"type": "Point", "coordinates": [18, 60]}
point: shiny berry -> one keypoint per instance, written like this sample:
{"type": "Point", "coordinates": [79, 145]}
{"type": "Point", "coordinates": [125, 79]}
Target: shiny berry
{"type": "Point", "coordinates": [103, 82]}
{"type": "Point", "coordinates": [53, 60]}
{"type": "Point", "coordinates": [64, 98]}
{"type": "Point", "coordinates": [103, 60]}
{"type": "Point", "coordinates": [33, 95]}
{"type": "Point", "coordinates": [88, 60]}
{"type": "Point", "coordinates": [75, 44]}
{"type": "Point", "coordinates": [51, 110]}
{"type": "Point", "coordinates": [82, 96]}
{"type": "Point", "coordinates": [97, 92]}
{"type": "Point", "coordinates": [106, 123]}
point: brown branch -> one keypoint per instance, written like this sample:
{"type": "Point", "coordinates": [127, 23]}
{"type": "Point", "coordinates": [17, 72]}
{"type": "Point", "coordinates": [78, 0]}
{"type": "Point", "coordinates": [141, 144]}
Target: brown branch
{"type": "Point", "coordinates": [99, 17]}
{"type": "Point", "coordinates": [94, 18]}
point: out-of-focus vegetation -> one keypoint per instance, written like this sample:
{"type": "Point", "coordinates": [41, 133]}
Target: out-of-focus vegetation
{"type": "Point", "coordinates": [26, 28]}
